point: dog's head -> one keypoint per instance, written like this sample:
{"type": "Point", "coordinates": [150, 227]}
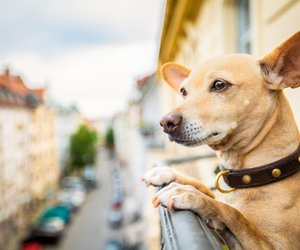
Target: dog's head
{"type": "Point", "coordinates": [228, 99]}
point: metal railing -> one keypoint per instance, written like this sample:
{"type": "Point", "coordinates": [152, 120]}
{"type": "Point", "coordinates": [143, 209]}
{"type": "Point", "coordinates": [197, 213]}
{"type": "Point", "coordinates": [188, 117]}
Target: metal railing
{"type": "Point", "coordinates": [183, 229]}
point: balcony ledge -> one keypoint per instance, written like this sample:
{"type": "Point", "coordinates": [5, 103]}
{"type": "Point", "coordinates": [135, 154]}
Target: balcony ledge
{"type": "Point", "coordinates": [183, 229]}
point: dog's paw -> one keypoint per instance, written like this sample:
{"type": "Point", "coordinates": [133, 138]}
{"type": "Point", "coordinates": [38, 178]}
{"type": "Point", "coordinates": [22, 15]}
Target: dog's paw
{"type": "Point", "coordinates": [159, 176]}
{"type": "Point", "coordinates": [179, 196]}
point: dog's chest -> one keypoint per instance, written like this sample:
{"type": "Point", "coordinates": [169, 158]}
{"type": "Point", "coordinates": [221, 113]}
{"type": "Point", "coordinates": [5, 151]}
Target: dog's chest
{"type": "Point", "coordinates": [271, 209]}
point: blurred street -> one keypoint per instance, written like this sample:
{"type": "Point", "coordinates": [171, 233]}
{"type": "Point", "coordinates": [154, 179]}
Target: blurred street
{"type": "Point", "coordinates": [90, 228]}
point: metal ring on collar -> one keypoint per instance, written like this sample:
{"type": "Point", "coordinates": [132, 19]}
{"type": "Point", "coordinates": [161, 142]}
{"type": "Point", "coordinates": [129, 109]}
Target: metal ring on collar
{"type": "Point", "coordinates": [221, 173]}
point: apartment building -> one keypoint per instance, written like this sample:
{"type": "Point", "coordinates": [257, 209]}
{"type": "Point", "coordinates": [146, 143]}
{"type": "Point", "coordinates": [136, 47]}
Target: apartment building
{"type": "Point", "coordinates": [44, 171]}
{"type": "Point", "coordinates": [28, 168]}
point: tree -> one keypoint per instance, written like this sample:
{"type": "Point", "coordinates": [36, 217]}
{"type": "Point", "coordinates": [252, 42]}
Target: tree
{"type": "Point", "coordinates": [110, 138]}
{"type": "Point", "coordinates": [83, 147]}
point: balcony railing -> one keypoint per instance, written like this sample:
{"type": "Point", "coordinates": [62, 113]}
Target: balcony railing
{"type": "Point", "coordinates": [183, 229]}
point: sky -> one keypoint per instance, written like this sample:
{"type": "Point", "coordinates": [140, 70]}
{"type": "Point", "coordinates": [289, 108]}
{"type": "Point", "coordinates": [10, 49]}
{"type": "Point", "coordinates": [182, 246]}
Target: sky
{"type": "Point", "coordinates": [86, 52]}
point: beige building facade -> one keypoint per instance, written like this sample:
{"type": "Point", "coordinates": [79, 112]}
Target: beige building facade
{"type": "Point", "coordinates": [28, 165]}
{"type": "Point", "coordinates": [44, 171]}
{"type": "Point", "coordinates": [14, 168]}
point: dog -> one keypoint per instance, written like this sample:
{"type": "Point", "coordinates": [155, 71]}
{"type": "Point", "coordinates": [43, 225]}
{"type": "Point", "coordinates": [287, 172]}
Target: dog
{"type": "Point", "coordinates": [234, 103]}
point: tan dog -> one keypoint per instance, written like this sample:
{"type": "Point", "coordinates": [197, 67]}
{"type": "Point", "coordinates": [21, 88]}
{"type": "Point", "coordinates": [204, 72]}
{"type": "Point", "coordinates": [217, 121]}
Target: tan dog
{"type": "Point", "coordinates": [235, 104]}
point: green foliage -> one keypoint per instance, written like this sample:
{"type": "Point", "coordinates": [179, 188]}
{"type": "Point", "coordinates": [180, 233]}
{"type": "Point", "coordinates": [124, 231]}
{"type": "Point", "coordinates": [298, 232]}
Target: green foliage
{"type": "Point", "coordinates": [110, 137]}
{"type": "Point", "coordinates": [83, 147]}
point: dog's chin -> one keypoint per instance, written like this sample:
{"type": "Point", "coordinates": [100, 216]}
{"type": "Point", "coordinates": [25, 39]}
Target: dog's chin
{"type": "Point", "coordinates": [194, 142]}
{"type": "Point", "coordinates": [187, 143]}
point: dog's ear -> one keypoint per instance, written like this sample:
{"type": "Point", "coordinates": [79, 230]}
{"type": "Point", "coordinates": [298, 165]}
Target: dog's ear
{"type": "Point", "coordinates": [281, 68]}
{"type": "Point", "coordinates": [174, 74]}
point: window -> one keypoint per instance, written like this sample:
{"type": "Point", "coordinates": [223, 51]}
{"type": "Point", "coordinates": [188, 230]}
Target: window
{"type": "Point", "coordinates": [244, 31]}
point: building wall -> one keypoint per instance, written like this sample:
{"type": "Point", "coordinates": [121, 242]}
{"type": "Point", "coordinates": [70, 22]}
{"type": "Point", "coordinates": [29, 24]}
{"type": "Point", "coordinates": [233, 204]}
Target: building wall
{"type": "Point", "coordinates": [275, 21]}
{"type": "Point", "coordinates": [14, 158]}
{"type": "Point", "coordinates": [44, 168]}
{"type": "Point", "coordinates": [123, 141]}
{"type": "Point", "coordinates": [14, 164]}
{"type": "Point", "coordinates": [203, 36]}
{"type": "Point", "coordinates": [28, 167]}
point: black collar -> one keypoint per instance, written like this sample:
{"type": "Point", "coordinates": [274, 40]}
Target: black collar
{"type": "Point", "coordinates": [252, 177]}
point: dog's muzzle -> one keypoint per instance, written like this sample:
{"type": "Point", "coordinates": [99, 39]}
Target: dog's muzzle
{"type": "Point", "coordinates": [171, 122]}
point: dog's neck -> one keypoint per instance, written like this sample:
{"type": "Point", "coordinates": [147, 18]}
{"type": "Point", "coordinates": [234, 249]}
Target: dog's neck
{"type": "Point", "coordinates": [278, 138]}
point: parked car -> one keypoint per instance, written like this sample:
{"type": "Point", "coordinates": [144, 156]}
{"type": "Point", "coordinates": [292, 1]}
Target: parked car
{"type": "Point", "coordinates": [89, 176]}
{"type": "Point", "coordinates": [113, 245]}
{"type": "Point", "coordinates": [115, 218]}
{"type": "Point", "coordinates": [51, 228]}
{"type": "Point", "coordinates": [64, 197]}
{"type": "Point", "coordinates": [30, 242]}
{"type": "Point", "coordinates": [51, 223]}
{"type": "Point", "coordinates": [72, 182]}
{"type": "Point", "coordinates": [59, 211]}
{"type": "Point", "coordinates": [31, 246]}
{"type": "Point", "coordinates": [117, 189]}
{"type": "Point", "coordinates": [73, 191]}
{"type": "Point", "coordinates": [117, 199]}
{"type": "Point", "coordinates": [72, 197]}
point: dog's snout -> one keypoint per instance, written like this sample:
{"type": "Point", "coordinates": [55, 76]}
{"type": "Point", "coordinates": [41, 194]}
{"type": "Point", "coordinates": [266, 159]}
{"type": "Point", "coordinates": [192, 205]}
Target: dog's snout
{"type": "Point", "coordinates": [170, 122]}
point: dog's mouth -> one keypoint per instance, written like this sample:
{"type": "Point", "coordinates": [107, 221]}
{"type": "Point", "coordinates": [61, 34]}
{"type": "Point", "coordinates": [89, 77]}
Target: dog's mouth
{"type": "Point", "coordinates": [189, 140]}
{"type": "Point", "coordinates": [190, 134]}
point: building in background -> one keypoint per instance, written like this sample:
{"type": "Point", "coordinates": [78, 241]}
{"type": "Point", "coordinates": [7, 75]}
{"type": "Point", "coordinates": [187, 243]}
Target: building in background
{"type": "Point", "coordinates": [149, 102]}
{"type": "Point", "coordinates": [15, 120]}
{"type": "Point", "coordinates": [43, 154]}
{"type": "Point", "coordinates": [28, 168]}
{"type": "Point", "coordinates": [139, 144]}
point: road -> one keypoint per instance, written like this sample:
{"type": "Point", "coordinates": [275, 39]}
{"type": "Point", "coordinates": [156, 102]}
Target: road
{"type": "Point", "coordinates": [89, 229]}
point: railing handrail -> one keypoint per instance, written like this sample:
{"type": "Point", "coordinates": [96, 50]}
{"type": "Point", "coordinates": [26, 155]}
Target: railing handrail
{"type": "Point", "coordinates": [183, 229]}
{"type": "Point", "coordinates": [180, 160]}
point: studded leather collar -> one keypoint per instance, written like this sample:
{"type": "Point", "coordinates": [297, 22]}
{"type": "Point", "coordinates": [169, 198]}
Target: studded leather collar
{"type": "Point", "coordinates": [252, 177]}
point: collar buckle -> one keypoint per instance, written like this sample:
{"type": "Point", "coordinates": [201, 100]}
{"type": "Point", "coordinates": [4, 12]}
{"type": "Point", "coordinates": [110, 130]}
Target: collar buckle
{"type": "Point", "coordinates": [219, 175]}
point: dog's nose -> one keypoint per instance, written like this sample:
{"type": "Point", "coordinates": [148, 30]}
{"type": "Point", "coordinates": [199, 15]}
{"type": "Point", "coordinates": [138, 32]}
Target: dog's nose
{"type": "Point", "coordinates": [170, 122]}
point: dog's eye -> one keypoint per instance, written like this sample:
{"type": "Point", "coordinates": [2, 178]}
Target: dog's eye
{"type": "Point", "coordinates": [183, 92]}
{"type": "Point", "coordinates": [220, 85]}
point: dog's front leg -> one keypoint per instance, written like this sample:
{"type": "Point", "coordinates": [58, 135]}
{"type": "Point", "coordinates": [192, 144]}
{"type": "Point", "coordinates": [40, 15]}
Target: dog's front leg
{"type": "Point", "coordinates": [165, 175]}
{"type": "Point", "coordinates": [240, 233]}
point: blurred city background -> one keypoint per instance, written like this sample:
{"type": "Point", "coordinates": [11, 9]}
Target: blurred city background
{"type": "Point", "coordinates": [80, 104]}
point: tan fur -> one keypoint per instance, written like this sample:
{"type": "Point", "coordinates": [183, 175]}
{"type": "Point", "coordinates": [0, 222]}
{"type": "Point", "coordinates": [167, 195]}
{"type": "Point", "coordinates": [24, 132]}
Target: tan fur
{"type": "Point", "coordinates": [255, 126]}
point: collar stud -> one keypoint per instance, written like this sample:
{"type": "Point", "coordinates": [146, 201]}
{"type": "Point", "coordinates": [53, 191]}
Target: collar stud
{"type": "Point", "coordinates": [246, 179]}
{"type": "Point", "coordinates": [276, 172]}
